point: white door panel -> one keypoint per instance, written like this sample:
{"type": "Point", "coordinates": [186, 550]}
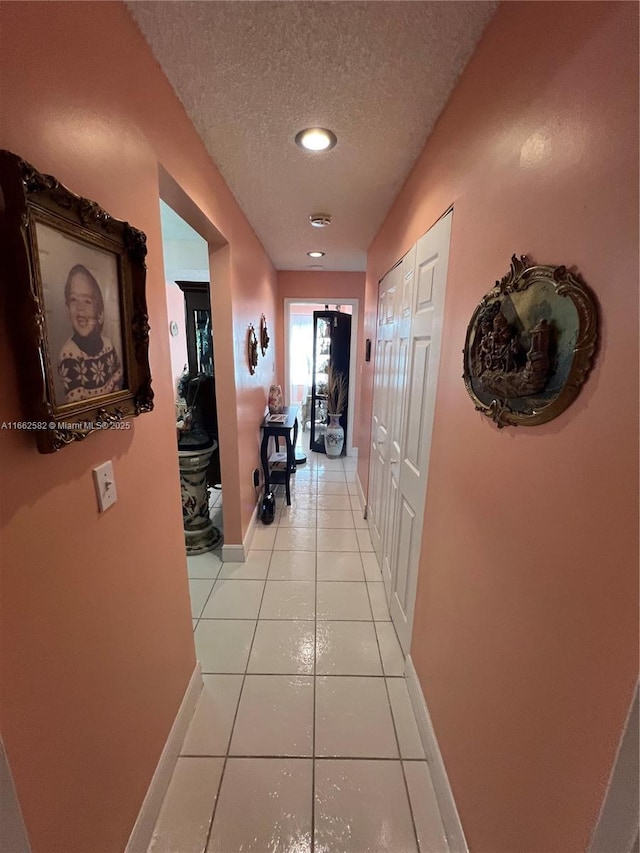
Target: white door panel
{"type": "Point", "coordinates": [378, 476]}
{"type": "Point", "coordinates": [410, 311]}
{"type": "Point", "coordinates": [389, 540]}
{"type": "Point", "coordinates": [374, 499]}
{"type": "Point", "coordinates": [430, 278]}
{"type": "Point", "coordinates": [394, 385]}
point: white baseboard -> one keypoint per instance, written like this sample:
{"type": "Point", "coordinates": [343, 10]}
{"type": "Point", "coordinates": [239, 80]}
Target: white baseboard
{"type": "Point", "coordinates": [238, 553]}
{"type": "Point", "coordinates": [142, 832]}
{"type": "Point", "coordinates": [13, 832]}
{"type": "Point", "coordinates": [444, 794]}
{"type": "Point", "coordinates": [233, 554]}
{"type": "Point", "coordinates": [617, 825]}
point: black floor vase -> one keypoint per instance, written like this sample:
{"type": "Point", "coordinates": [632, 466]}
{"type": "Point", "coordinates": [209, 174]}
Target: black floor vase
{"type": "Point", "coordinates": [268, 508]}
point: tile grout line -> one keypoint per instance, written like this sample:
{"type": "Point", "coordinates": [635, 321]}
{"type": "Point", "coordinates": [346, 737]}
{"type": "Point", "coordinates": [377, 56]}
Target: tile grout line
{"type": "Point", "coordinates": [314, 758]}
{"type": "Point", "coordinates": [406, 787]}
{"type": "Point", "coordinates": [404, 775]}
{"type": "Point", "coordinates": [307, 674]}
{"type": "Point", "coordinates": [315, 678]}
{"type": "Point", "coordinates": [292, 619]}
{"type": "Point", "coordinates": [235, 717]}
{"type": "Point", "coordinates": [318, 758]}
{"type": "Point", "coordinates": [315, 682]}
{"type": "Point", "coordinates": [215, 581]}
{"type": "Point", "coordinates": [384, 675]}
{"type": "Point", "coordinates": [395, 731]}
{"type": "Point", "coordinates": [315, 647]}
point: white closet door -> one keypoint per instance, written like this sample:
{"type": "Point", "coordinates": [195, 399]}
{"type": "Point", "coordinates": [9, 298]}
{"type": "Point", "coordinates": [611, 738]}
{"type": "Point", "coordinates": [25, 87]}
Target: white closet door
{"type": "Point", "coordinates": [378, 475]}
{"type": "Point", "coordinates": [423, 355]}
{"type": "Point", "coordinates": [396, 391]}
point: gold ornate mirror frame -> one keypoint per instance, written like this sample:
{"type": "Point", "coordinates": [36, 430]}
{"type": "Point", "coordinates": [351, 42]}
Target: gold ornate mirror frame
{"type": "Point", "coordinates": [530, 344]}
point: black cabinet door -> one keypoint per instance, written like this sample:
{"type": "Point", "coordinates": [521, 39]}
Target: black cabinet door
{"type": "Point", "coordinates": [199, 331]}
{"type": "Point", "coordinates": [331, 348]}
{"type": "Point", "coordinates": [197, 312]}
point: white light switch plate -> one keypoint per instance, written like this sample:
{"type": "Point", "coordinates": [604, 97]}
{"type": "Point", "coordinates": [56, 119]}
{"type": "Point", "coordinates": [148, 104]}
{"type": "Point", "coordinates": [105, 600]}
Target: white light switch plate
{"type": "Point", "coordinates": [105, 485]}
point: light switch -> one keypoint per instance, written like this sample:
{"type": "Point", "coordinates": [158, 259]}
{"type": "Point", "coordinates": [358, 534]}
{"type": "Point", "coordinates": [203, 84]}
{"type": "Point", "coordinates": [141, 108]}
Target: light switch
{"type": "Point", "coordinates": [105, 485]}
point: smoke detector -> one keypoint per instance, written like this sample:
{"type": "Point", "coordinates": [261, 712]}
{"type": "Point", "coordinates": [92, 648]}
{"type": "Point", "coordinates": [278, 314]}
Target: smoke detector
{"type": "Point", "coordinates": [320, 220]}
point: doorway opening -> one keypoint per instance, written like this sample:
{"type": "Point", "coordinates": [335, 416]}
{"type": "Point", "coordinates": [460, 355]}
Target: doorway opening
{"type": "Point", "coordinates": [299, 357]}
{"type": "Point", "coordinates": [186, 262]}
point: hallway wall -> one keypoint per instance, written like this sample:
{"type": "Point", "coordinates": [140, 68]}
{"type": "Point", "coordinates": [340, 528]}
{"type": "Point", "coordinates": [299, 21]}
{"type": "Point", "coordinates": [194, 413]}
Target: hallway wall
{"type": "Point", "coordinates": [526, 624]}
{"type": "Point", "coordinates": [96, 631]}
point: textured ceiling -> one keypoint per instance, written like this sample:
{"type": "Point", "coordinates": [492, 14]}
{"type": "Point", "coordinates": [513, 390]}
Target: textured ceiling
{"type": "Point", "coordinates": [252, 74]}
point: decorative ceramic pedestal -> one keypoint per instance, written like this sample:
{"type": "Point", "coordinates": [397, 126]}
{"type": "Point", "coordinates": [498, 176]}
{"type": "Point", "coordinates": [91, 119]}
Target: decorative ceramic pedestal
{"type": "Point", "coordinates": [334, 436]}
{"type": "Point", "coordinates": [199, 533]}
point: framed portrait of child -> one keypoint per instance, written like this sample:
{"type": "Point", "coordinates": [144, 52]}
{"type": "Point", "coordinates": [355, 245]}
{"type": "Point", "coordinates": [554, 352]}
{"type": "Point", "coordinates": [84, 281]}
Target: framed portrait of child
{"type": "Point", "coordinates": [78, 297]}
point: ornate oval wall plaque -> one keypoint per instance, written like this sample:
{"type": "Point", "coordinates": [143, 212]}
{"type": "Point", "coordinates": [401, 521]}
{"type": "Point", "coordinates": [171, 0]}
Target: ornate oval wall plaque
{"type": "Point", "coordinates": [264, 335]}
{"type": "Point", "coordinates": [252, 349]}
{"type": "Point", "coordinates": [530, 344]}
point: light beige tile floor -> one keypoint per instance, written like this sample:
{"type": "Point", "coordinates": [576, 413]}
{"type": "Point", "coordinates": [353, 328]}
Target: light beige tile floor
{"type": "Point", "coordinates": [304, 738]}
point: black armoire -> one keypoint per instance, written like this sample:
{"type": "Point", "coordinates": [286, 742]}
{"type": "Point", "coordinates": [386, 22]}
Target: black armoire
{"type": "Point", "coordinates": [331, 347]}
{"type": "Point", "coordinates": [199, 332]}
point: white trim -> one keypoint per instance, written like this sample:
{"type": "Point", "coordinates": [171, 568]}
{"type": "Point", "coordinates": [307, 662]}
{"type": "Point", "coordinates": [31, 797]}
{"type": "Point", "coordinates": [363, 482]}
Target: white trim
{"type": "Point", "coordinates": [233, 554]}
{"type": "Point", "coordinates": [617, 826]}
{"type": "Point", "coordinates": [238, 553]}
{"type": "Point", "coordinates": [142, 831]}
{"type": "Point", "coordinates": [251, 529]}
{"type": "Point", "coordinates": [353, 356]}
{"type": "Point", "coordinates": [444, 794]}
{"type": "Point", "coordinates": [13, 832]}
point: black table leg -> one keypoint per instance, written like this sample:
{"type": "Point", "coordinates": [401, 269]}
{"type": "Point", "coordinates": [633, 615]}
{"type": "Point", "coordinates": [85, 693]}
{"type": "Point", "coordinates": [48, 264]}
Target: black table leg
{"type": "Point", "coordinates": [265, 461]}
{"type": "Point", "coordinates": [300, 460]}
{"type": "Point", "coordinates": [291, 466]}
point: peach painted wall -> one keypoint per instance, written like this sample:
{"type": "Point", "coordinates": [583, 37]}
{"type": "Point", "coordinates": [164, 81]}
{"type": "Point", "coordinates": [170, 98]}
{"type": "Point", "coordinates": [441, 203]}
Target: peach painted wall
{"type": "Point", "coordinates": [325, 286]}
{"type": "Point", "coordinates": [96, 631]}
{"type": "Point", "coordinates": [526, 625]}
{"type": "Point", "coordinates": [254, 293]}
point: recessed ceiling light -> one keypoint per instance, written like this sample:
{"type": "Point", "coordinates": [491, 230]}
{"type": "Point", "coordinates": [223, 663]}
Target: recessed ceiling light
{"type": "Point", "coordinates": [316, 139]}
{"type": "Point", "coordinates": [316, 267]}
{"type": "Point", "coordinates": [320, 220]}
{"type": "Point", "coordinates": [316, 254]}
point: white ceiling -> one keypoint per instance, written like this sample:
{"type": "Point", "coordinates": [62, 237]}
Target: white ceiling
{"type": "Point", "coordinates": [252, 74]}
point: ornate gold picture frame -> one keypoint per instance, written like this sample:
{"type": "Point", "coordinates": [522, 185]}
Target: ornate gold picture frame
{"type": "Point", "coordinates": [75, 293]}
{"type": "Point", "coordinates": [530, 344]}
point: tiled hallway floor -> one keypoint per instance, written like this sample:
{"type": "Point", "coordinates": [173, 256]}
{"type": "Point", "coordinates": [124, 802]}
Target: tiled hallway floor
{"type": "Point", "coordinates": [304, 738]}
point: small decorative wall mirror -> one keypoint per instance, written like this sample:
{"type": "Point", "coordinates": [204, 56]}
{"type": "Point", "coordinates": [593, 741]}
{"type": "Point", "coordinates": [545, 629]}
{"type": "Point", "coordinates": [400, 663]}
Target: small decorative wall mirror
{"type": "Point", "coordinates": [530, 344]}
{"type": "Point", "coordinates": [264, 336]}
{"type": "Point", "coordinates": [252, 349]}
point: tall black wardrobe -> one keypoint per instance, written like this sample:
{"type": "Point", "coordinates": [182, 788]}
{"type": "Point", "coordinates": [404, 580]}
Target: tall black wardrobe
{"type": "Point", "coordinates": [331, 348]}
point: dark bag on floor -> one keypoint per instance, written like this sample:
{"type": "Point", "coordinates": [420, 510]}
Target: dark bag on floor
{"type": "Point", "coordinates": [268, 508]}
